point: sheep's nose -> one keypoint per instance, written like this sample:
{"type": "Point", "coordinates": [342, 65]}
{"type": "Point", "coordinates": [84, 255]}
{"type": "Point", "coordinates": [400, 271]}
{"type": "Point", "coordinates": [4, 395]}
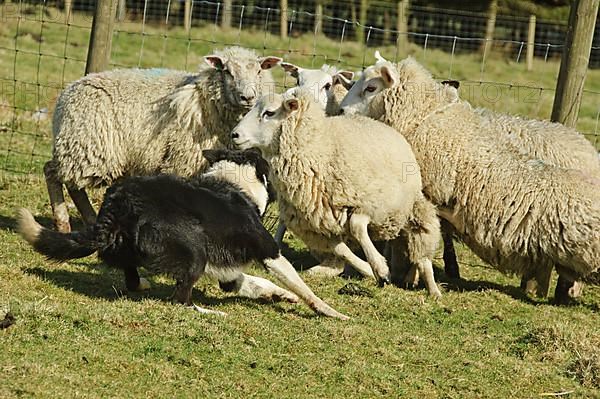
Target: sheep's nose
{"type": "Point", "coordinates": [247, 99]}
{"type": "Point", "coordinates": [235, 135]}
{"type": "Point", "coordinates": [342, 111]}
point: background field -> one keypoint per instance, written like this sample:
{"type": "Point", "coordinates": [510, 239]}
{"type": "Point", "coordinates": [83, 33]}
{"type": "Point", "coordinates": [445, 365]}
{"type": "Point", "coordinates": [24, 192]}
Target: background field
{"type": "Point", "coordinates": [79, 334]}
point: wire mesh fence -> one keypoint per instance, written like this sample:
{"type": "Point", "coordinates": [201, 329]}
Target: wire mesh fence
{"type": "Point", "coordinates": [43, 47]}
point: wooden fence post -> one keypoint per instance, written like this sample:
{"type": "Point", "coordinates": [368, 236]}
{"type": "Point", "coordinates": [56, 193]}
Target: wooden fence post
{"type": "Point", "coordinates": [491, 25]}
{"type": "Point", "coordinates": [318, 16]}
{"type": "Point", "coordinates": [402, 27]}
{"type": "Point", "coordinates": [187, 15]}
{"type": "Point", "coordinates": [99, 48]}
{"type": "Point", "coordinates": [362, 19]}
{"type": "Point", "coordinates": [121, 10]}
{"type": "Point", "coordinates": [574, 61]}
{"type": "Point", "coordinates": [530, 42]}
{"type": "Point", "coordinates": [68, 10]}
{"type": "Point", "coordinates": [283, 19]}
{"type": "Point", "coordinates": [227, 11]}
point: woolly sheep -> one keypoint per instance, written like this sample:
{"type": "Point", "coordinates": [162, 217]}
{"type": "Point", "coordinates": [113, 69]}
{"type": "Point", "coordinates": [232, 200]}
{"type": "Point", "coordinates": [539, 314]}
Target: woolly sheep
{"type": "Point", "coordinates": [329, 86]}
{"type": "Point", "coordinates": [325, 180]}
{"type": "Point", "coordinates": [552, 143]}
{"type": "Point", "coordinates": [519, 215]}
{"type": "Point", "coordinates": [137, 122]}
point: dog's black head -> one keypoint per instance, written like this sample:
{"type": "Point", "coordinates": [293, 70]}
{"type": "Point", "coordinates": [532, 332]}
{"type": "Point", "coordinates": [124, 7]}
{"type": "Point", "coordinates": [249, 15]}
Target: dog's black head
{"type": "Point", "coordinates": [251, 157]}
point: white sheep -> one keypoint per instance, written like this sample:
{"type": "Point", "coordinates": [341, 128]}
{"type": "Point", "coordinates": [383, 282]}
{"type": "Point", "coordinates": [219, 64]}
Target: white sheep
{"type": "Point", "coordinates": [331, 187]}
{"type": "Point", "coordinates": [329, 86]}
{"type": "Point", "coordinates": [136, 122]}
{"type": "Point", "coordinates": [518, 214]}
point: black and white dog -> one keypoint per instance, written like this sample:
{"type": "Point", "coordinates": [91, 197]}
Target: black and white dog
{"type": "Point", "coordinates": [208, 224]}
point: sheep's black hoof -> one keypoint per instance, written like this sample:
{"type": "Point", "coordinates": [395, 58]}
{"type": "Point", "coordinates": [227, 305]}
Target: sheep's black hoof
{"type": "Point", "coordinates": [383, 281]}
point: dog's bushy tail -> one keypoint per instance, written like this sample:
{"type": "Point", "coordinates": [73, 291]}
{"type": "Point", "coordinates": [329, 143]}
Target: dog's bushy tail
{"type": "Point", "coordinates": [53, 244]}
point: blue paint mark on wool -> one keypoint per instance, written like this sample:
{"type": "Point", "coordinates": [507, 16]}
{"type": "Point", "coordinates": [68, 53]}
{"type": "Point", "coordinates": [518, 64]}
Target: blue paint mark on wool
{"type": "Point", "coordinates": [154, 72]}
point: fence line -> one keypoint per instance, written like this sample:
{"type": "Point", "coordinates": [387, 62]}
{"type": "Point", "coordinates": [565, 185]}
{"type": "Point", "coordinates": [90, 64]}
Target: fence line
{"type": "Point", "coordinates": [40, 67]}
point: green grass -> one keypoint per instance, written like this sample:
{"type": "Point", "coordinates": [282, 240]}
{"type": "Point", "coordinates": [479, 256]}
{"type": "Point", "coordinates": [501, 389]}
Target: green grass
{"type": "Point", "coordinates": [78, 333]}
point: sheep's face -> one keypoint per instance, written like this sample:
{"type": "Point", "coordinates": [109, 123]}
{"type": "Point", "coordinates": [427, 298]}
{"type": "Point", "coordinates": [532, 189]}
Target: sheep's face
{"type": "Point", "coordinates": [242, 77]}
{"type": "Point", "coordinates": [342, 82]}
{"type": "Point", "coordinates": [260, 127]}
{"type": "Point", "coordinates": [319, 82]}
{"type": "Point", "coordinates": [373, 81]}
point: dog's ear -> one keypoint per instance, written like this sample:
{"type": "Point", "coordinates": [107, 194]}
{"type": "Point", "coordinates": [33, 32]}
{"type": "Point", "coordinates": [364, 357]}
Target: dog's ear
{"type": "Point", "coordinates": [214, 156]}
{"type": "Point", "coordinates": [453, 83]}
{"type": "Point", "coordinates": [254, 151]}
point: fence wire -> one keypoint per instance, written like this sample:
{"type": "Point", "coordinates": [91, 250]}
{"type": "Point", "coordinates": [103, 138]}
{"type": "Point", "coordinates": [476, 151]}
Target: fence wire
{"type": "Point", "coordinates": [43, 48]}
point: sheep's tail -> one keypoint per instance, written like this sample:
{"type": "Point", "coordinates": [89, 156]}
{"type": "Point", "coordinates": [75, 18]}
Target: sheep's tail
{"type": "Point", "coordinates": [53, 244]}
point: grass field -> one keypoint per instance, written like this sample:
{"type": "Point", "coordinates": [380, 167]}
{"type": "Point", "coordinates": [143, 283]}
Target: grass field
{"type": "Point", "coordinates": [79, 334]}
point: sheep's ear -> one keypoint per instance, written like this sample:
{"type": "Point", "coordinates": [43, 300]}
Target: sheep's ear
{"type": "Point", "coordinates": [389, 76]}
{"type": "Point", "coordinates": [292, 69]}
{"type": "Point", "coordinates": [214, 61]}
{"type": "Point", "coordinates": [379, 57]}
{"type": "Point", "coordinates": [453, 83]}
{"type": "Point", "coordinates": [347, 74]}
{"type": "Point", "coordinates": [344, 78]}
{"type": "Point", "coordinates": [213, 156]}
{"type": "Point", "coordinates": [269, 62]}
{"type": "Point", "coordinates": [291, 104]}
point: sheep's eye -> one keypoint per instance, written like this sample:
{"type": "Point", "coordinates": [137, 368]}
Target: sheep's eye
{"type": "Point", "coordinates": [371, 89]}
{"type": "Point", "coordinates": [327, 86]}
{"type": "Point", "coordinates": [269, 114]}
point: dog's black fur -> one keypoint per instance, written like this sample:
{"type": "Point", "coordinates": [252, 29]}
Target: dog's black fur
{"type": "Point", "coordinates": [174, 225]}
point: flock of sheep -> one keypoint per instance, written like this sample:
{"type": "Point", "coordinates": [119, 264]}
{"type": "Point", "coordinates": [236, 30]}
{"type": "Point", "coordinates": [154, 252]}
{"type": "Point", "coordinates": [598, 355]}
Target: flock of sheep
{"type": "Point", "coordinates": [389, 163]}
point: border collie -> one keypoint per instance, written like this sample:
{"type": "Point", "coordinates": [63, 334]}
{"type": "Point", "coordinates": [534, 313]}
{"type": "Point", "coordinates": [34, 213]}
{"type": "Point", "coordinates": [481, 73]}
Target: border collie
{"type": "Point", "coordinates": [209, 224]}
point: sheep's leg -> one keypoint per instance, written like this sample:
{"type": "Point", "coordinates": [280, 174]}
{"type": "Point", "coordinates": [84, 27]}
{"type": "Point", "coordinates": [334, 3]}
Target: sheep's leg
{"type": "Point", "coordinates": [411, 280]}
{"type": "Point", "coordinates": [425, 268]}
{"type": "Point", "coordinates": [253, 287]}
{"type": "Point", "coordinates": [561, 294]}
{"type": "Point", "coordinates": [341, 250]}
{"type": "Point", "coordinates": [423, 239]}
{"type": "Point", "coordinates": [331, 266]}
{"type": "Point", "coordinates": [359, 225]}
{"type": "Point", "coordinates": [576, 289]}
{"type": "Point", "coordinates": [450, 260]}
{"type": "Point", "coordinates": [82, 202]}
{"type": "Point", "coordinates": [57, 199]}
{"type": "Point", "coordinates": [285, 272]}
{"type": "Point", "coordinates": [566, 287]}
{"type": "Point", "coordinates": [279, 234]}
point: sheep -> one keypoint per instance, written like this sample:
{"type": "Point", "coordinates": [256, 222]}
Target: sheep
{"type": "Point", "coordinates": [552, 143]}
{"type": "Point", "coordinates": [332, 188]}
{"type": "Point", "coordinates": [329, 86]}
{"type": "Point", "coordinates": [519, 214]}
{"type": "Point", "coordinates": [141, 122]}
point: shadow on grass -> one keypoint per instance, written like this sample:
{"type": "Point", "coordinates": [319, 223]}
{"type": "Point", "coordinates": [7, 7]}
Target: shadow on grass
{"type": "Point", "coordinates": [109, 284]}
